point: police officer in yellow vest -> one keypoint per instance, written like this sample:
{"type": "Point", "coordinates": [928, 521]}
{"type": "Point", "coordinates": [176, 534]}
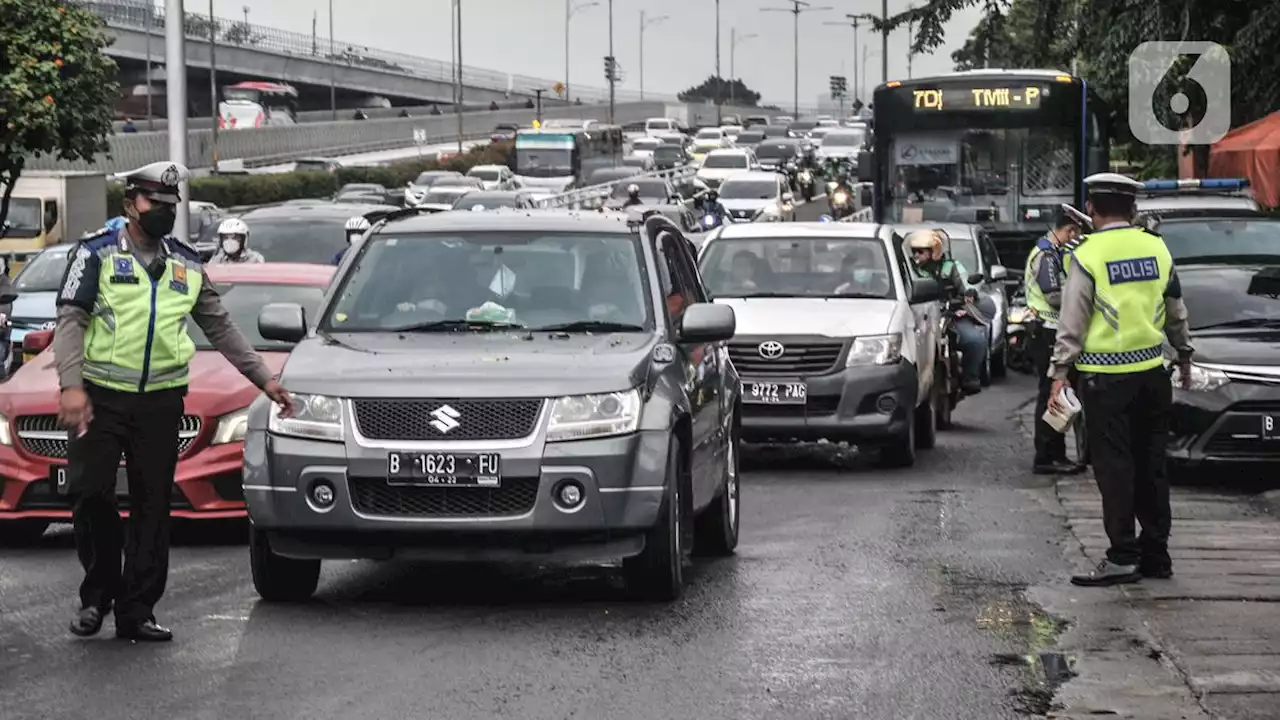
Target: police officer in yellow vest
{"type": "Point", "coordinates": [1043, 280]}
{"type": "Point", "coordinates": [1121, 299]}
{"type": "Point", "coordinates": [122, 351]}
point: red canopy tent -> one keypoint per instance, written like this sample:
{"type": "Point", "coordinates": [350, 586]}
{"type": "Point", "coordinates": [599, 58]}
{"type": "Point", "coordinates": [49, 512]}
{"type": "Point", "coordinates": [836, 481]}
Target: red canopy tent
{"type": "Point", "coordinates": [1251, 151]}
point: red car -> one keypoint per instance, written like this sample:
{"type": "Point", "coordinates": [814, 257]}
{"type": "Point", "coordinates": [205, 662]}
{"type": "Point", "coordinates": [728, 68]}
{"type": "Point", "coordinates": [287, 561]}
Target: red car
{"type": "Point", "coordinates": [33, 447]}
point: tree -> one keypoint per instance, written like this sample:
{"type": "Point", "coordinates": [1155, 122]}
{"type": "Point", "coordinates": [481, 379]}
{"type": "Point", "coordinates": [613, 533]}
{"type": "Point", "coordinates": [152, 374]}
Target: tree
{"type": "Point", "coordinates": [57, 86]}
{"type": "Point", "coordinates": [733, 90]}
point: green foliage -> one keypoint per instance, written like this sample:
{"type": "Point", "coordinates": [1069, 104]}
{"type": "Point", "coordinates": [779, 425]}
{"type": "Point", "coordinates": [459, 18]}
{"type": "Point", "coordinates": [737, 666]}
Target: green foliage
{"type": "Point", "coordinates": [238, 190]}
{"type": "Point", "coordinates": [57, 86]}
{"type": "Point", "coordinates": [728, 90]}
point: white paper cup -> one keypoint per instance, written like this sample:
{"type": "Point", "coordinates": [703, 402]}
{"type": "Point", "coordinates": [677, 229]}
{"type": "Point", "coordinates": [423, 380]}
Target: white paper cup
{"type": "Point", "coordinates": [1060, 419]}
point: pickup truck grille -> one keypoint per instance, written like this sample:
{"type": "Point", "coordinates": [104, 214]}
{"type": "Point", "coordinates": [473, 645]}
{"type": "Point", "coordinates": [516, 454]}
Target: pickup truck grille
{"type": "Point", "coordinates": [799, 357]}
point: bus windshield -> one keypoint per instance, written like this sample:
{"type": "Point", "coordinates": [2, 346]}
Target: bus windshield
{"type": "Point", "coordinates": [255, 104]}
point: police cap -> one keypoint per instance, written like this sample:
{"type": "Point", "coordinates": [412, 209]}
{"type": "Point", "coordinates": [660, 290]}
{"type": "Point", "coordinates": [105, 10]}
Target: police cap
{"type": "Point", "coordinates": [159, 181]}
{"type": "Point", "coordinates": [1112, 184]}
{"type": "Point", "coordinates": [1069, 215]}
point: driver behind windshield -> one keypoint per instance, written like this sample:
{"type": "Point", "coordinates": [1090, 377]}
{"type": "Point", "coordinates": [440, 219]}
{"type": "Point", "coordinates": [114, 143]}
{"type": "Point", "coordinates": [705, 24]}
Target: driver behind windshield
{"type": "Point", "coordinates": [744, 271]}
{"type": "Point", "coordinates": [971, 326]}
{"type": "Point", "coordinates": [858, 271]}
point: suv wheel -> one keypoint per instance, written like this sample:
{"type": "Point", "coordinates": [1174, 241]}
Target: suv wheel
{"type": "Point", "coordinates": [942, 396]}
{"type": "Point", "coordinates": [901, 450]}
{"type": "Point", "coordinates": [278, 578]}
{"type": "Point", "coordinates": [926, 420]}
{"type": "Point", "coordinates": [716, 529]}
{"type": "Point", "coordinates": [658, 571]}
{"type": "Point", "coordinates": [22, 532]}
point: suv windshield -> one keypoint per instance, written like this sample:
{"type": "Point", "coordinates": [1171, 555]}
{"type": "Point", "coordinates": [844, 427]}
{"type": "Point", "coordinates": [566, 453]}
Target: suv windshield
{"type": "Point", "coordinates": [486, 175]}
{"type": "Point", "coordinates": [1218, 296]}
{"type": "Point", "coordinates": [748, 189]}
{"type": "Point", "coordinates": [751, 137]}
{"type": "Point", "coordinates": [1237, 237]}
{"type": "Point", "coordinates": [775, 150]}
{"type": "Point", "coordinates": [442, 196]}
{"type": "Point", "coordinates": [484, 201]}
{"type": "Point", "coordinates": [727, 160]}
{"type": "Point", "coordinates": [709, 134]}
{"type": "Point", "coordinates": [298, 240]}
{"type": "Point", "coordinates": [244, 301]}
{"type": "Point", "coordinates": [44, 272]}
{"type": "Point", "coordinates": [667, 152]}
{"type": "Point", "coordinates": [446, 281]}
{"type": "Point", "coordinates": [797, 267]}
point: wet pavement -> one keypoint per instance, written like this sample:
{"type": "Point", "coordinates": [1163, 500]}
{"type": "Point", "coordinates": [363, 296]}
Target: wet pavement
{"type": "Point", "coordinates": [856, 593]}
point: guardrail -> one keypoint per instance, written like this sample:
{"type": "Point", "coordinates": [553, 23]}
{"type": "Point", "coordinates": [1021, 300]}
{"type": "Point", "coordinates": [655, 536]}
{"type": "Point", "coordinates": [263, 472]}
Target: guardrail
{"type": "Point", "coordinates": [594, 196]}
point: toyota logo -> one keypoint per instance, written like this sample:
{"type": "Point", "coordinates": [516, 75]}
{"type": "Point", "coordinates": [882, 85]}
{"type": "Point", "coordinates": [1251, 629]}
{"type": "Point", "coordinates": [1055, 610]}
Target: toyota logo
{"type": "Point", "coordinates": [771, 350]}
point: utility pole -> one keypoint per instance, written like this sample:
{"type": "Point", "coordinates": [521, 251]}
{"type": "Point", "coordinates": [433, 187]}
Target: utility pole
{"type": "Point", "coordinates": [457, 108]}
{"type": "Point", "coordinates": [151, 10]}
{"type": "Point", "coordinates": [333, 68]}
{"type": "Point", "coordinates": [884, 41]}
{"type": "Point", "coordinates": [734, 38]}
{"type": "Point", "coordinates": [613, 76]}
{"type": "Point", "coordinates": [851, 22]}
{"type": "Point", "coordinates": [644, 24]}
{"type": "Point", "coordinates": [537, 113]}
{"type": "Point", "coordinates": [175, 52]}
{"type": "Point", "coordinates": [719, 78]}
{"type": "Point", "coordinates": [569, 9]}
{"type": "Point", "coordinates": [315, 40]}
{"type": "Point", "coordinates": [797, 7]}
{"type": "Point", "coordinates": [213, 81]}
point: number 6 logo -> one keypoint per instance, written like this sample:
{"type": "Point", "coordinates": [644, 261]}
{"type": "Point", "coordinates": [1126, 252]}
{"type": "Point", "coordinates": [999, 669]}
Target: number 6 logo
{"type": "Point", "coordinates": [1195, 94]}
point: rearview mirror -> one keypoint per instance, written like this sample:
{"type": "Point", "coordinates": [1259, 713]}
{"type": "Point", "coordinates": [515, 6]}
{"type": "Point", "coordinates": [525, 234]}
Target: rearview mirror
{"type": "Point", "coordinates": [925, 290]}
{"type": "Point", "coordinates": [35, 342]}
{"type": "Point", "coordinates": [866, 166]}
{"type": "Point", "coordinates": [8, 297]}
{"type": "Point", "coordinates": [999, 272]}
{"type": "Point", "coordinates": [707, 322]}
{"type": "Point", "coordinates": [284, 322]}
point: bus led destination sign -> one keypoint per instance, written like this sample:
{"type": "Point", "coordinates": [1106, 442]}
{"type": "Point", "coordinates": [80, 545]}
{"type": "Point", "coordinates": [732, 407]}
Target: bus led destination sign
{"type": "Point", "coordinates": [980, 98]}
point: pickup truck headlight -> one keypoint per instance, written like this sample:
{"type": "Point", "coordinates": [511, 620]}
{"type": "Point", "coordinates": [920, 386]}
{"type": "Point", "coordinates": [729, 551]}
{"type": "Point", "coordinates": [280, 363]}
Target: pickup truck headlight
{"type": "Point", "coordinates": [231, 427]}
{"type": "Point", "coordinates": [5, 437]}
{"type": "Point", "coordinates": [315, 417]}
{"type": "Point", "coordinates": [579, 417]}
{"type": "Point", "coordinates": [1202, 379]}
{"type": "Point", "coordinates": [875, 350]}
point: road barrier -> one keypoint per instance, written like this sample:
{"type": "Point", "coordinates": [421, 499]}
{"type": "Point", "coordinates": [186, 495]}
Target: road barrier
{"type": "Point", "coordinates": [595, 196]}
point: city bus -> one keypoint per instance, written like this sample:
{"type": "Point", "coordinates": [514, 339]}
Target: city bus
{"type": "Point", "coordinates": [257, 104]}
{"type": "Point", "coordinates": [558, 159]}
{"type": "Point", "coordinates": [1000, 148]}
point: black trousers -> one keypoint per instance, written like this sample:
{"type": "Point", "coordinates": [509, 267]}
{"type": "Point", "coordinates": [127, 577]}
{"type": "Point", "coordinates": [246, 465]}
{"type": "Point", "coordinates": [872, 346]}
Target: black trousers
{"type": "Point", "coordinates": [1127, 419]}
{"type": "Point", "coordinates": [143, 428]}
{"type": "Point", "coordinates": [1049, 443]}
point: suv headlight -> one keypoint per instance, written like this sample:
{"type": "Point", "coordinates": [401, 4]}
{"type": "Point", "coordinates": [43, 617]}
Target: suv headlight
{"type": "Point", "coordinates": [1202, 379]}
{"type": "Point", "coordinates": [5, 437]}
{"type": "Point", "coordinates": [316, 417]}
{"type": "Point", "coordinates": [579, 417]}
{"type": "Point", "coordinates": [231, 427]}
{"type": "Point", "coordinates": [875, 350]}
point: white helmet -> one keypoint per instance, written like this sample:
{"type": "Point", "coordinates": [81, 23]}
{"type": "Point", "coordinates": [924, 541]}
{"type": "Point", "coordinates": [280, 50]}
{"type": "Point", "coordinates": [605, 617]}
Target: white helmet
{"type": "Point", "coordinates": [233, 226]}
{"type": "Point", "coordinates": [358, 223]}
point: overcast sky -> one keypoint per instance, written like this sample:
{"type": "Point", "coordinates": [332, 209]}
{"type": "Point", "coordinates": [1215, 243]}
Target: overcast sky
{"type": "Point", "coordinates": [527, 36]}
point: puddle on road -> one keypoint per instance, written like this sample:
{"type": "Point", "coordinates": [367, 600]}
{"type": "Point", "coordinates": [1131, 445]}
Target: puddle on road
{"type": "Point", "coordinates": [1029, 635]}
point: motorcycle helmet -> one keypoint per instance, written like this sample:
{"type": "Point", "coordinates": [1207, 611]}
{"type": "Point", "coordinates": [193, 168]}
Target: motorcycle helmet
{"type": "Point", "coordinates": [712, 195]}
{"type": "Point", "coordinates": [356, 228]}
{"type": "Point", "coordinates": [633, 190]}
{"type": "Point", "coordinates": [930, 240]}
{"type": "Point", "coordinates": [233, 236]}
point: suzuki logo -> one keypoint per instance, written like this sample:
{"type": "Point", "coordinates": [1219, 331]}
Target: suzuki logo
{"type": "Point", "coordinates": [771, 349]}
{"type": "Point", "coordinates": [446, 419]}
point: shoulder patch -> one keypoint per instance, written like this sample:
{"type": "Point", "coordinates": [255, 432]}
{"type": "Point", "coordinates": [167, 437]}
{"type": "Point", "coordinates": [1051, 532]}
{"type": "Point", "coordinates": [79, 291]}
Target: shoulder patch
{"type": "Point", "coordinates": [182, 248]}
{"type": "Point", "coordinates": [95, 241]}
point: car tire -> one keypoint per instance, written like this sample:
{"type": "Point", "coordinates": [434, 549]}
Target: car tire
{"type": "Point", "coordinates": [22, 532]}
{"type": "Point", "coordinates": [900, 452]}
{"type": "Point", "coordinates": [926, 420]}
{"type": "Point", "coordinates": [716, 528]}
{"type": "Point", "coordinates": [278, 578]}
{"type": "Point", "coordinates": [942, 397]}
{"type": "Point", "coordinates": [657, 573]}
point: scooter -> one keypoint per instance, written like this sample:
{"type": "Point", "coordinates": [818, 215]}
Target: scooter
{"type": "Point", "coordinates": [1020, 324]}
{"type": "Point", "coordinates": [839, 200]}
{"type": "Point", "coordinates": [805, 178]}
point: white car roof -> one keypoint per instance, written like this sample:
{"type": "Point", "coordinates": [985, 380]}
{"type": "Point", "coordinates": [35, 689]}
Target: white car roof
{"type": "Point", "coordinates": [729, 151]}
{"type": "Point", "coordinates": [752, 176]}
{"type": "Point", "coordinates": [818, 230]}
{"type": "Point", "coordinates": [488, 167]}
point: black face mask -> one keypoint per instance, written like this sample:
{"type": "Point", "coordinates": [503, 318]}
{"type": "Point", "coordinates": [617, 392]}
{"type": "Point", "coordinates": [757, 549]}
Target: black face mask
{"type": "Point", "coordinates": [158, 221]}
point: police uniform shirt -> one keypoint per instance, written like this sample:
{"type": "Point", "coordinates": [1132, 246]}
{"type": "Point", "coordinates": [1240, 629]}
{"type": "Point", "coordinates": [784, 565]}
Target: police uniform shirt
{"type": "Point", "coordinates": [1077, 309]}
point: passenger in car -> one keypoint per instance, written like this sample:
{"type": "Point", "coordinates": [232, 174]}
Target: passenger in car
{"type": "Point", "coordinates": [744, 270]}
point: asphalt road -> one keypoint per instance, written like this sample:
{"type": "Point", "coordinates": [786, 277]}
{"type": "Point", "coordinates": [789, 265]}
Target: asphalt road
{"type": "Point", "coordinates": [856, 593]}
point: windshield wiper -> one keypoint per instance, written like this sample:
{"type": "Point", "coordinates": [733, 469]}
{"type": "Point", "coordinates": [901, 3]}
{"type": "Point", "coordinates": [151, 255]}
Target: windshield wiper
{"type": "Point", "coordinates": [456, 326]}
{"type": "Point", "coordinates": [1242, 323]}
{"type": "Point", "coordinates": [589, 326]}
{"type": "Point", "coordinates": [764, 295]}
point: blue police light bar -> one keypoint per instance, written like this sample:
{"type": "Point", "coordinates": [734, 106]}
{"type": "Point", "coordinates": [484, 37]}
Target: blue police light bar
{"type": "Point", "coordinates": [1224, 184]}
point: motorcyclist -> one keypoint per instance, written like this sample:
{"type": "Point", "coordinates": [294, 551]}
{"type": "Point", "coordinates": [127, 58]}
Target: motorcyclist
{"type": "Point", "coordinates": [233, 244]}
{"type": "Point", "coordinates": [711, 206]}
{"type": "Point", "coordinates": [633, 196]}
{"type": "Point", "coordinates": [971, 324]}
{"type": "Point", "coordinates": [355, 230]}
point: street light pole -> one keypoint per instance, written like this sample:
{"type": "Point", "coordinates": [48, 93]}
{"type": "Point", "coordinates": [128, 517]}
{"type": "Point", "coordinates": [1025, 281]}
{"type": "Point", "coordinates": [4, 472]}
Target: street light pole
{"type": "Point", "coordinates": [851, 22]}
{"type": "Point", "coordinates": [151, 123]}
{"type": "Point", "coordinates": [734, 38]}
{"type": "Point", "coordinates": [612, 81]}
{"type": "Point", "coordinates": [175, 51]}
{"type": "Point", "coordinates": [797, 7]}
{"type": "Point", "coordinates": [644, 24]}
{"type": "Point", "coordinates": [457, 107]}
{"type": "Point", "coordinates": [333, 68]}
{"type": "Point", "coordinates": [213, 81]}
{"type": "Point", "coordinates": [569, 9]}
{"type": "Point", "coordinates": [884, 41]}
{"type": "Point", "coordinates": [719, 77]}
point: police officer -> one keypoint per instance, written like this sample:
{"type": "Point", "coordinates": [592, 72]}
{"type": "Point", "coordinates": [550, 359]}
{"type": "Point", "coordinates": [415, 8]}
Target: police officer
{"type": "Point", "coordinates": [355, 230]}
{"type": "Point", "coordinates": [1043, 285]}
{"type": "Point", "coordinates": [1121, 298]}
{"type": "Point", "coordinates": [233, 244]}
{"type": "Point", "coordinates": [122, 352]}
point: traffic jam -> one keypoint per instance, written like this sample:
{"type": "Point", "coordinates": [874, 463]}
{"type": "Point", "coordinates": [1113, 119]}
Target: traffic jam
{"type": "Point", "coordinates": [565, 356]}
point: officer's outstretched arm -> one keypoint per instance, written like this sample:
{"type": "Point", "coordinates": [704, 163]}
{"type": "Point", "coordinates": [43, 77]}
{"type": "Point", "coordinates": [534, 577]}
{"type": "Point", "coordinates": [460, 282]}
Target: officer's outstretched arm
{"type": "Point", "coordinates": [75, 302]}
{"type": "Point", "coordinates": [1176, 321]}
{"type": "Point", "coordinates": [1073, 322]}
{"type": "Point", "coordinates": [225, 337]}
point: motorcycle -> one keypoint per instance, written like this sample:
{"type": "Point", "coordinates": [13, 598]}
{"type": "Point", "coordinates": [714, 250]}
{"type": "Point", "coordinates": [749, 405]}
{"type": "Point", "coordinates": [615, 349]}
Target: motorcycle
{"type": "Point", "coordinates": [1020, 323]}
{"type": "Point", "coordinates": [805, 178]}
{"type": "Point", "coordinates": [839, 200]}
{"type": "Point", "coordinates": [950, 359]}
{"type": "Point", "coordinates": [414, 197]}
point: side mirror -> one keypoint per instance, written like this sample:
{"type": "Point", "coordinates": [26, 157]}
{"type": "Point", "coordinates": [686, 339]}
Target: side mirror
{"type": "Point", "coordinates": [707, 322]}
{"type": "Point", "coordinates": [999, 272]}
{"type": "Point", "coordinates": [975, 278]}
{"type": "Point", "coordinates": [866, 166]}
{"type": "Point", "coordinates": [925, 290]}
{"type": "Point", "coordinates": [8, 297]}
{"type": "Point", "coordinates": [787, 198]}
{"type": "Point", "coordinates": [34, 343]}
{"type": "Point", "coordinates": [864, 195]}
{"type": "Point", "coordinates": [285, 322]}
{"type": "Point", "coordinates": [50, 216]}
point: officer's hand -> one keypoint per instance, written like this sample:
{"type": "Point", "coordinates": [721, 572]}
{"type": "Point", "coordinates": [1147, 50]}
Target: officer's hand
{"type": "Point", "coordinates": [1184, 374]}
{"type": "Point", "coordinates": [75, 412]}
{"type": "Point", "coordinates": [279, 396]}
{"type": "Point", "coordinates": [1055, 395]}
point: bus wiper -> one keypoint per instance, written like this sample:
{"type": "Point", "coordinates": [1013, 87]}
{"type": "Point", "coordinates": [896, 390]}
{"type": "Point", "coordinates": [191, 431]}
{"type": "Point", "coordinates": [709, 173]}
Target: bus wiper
{"type": "Point", "coordinates": [1242, 323]}
{"type": "Point", "coordinates": [456, 325]}
{"type": "Point", "coordinates": [589, 326]}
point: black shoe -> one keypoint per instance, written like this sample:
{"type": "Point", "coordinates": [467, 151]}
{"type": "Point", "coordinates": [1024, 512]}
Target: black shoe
{"type": "Point", "coordinates": [1159, 572]}
{"type": "Point", "coordinates": [148, 631]}
{"type": "Point", "coordinates": [1056, 467]}
{"type": "Point", "coordinates": [971, 387]}
{"type": "Point", "coordinates": [1108, 573]}
{"type": "Point", "coordinates": [88, 621]}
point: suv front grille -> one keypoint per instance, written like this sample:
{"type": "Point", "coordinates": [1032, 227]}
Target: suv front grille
{"type": "Point", "coordinates": [432, 419]}
{"type": "Point", "coordinates": [41, 435]}
{"type": "Point", "coordinates": [374, 496]}
{"type": "Point", "coordinates": [799, 357]}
